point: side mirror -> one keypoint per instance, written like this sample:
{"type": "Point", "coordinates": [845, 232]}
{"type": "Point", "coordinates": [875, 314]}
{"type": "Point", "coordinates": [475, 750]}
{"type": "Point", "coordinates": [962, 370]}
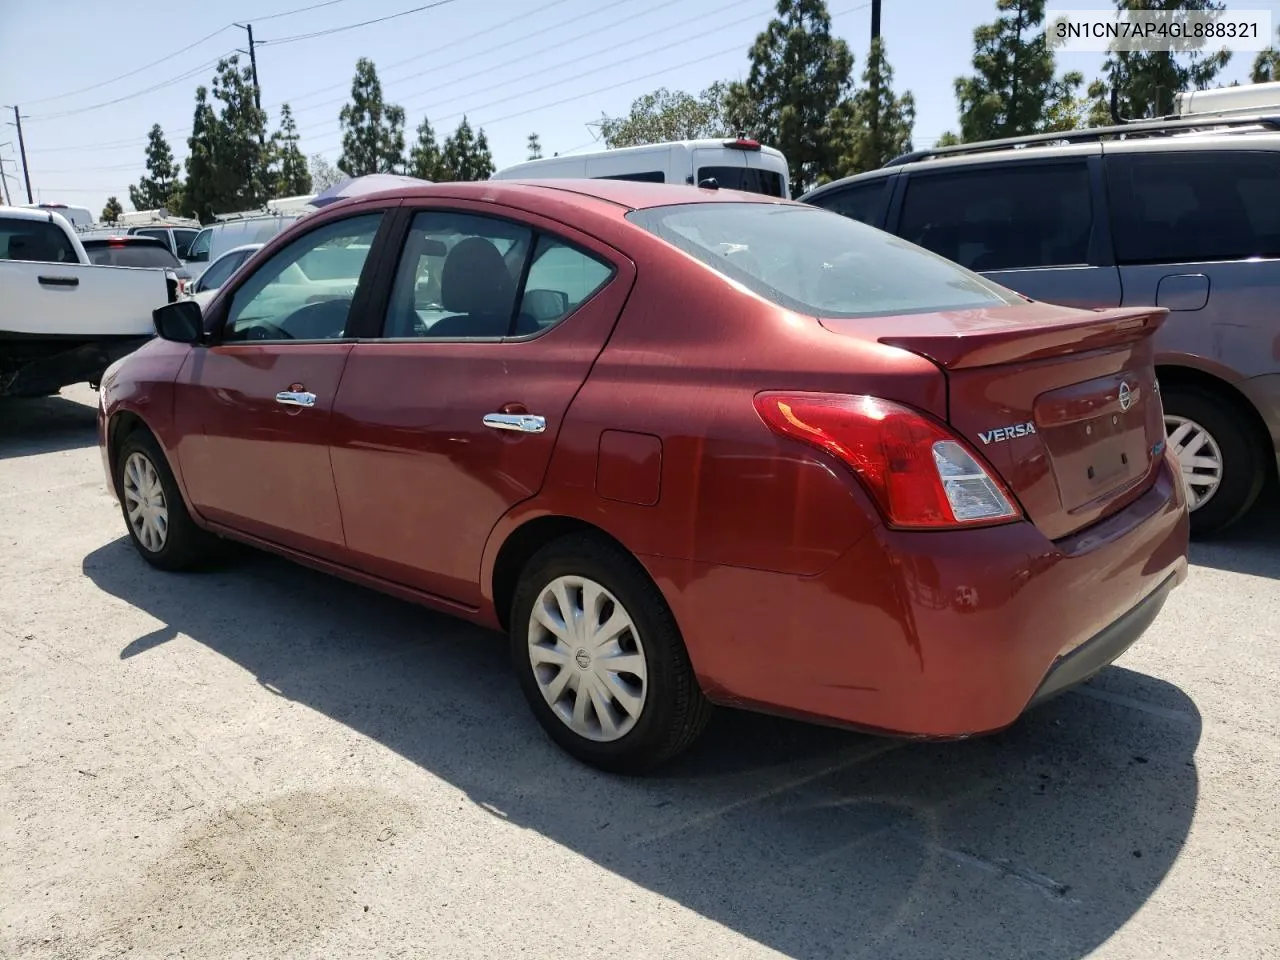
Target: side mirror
{"type": "Point", "coordinates": [181, 321]}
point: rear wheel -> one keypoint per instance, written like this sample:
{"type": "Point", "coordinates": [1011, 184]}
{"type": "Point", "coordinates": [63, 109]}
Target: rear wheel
{"type": "Point", "coordinates": [159, 525]}
{"type": "Point", "coordinates": [1222, 465]}
{"type": "Point", "coordinates": [600, 660]}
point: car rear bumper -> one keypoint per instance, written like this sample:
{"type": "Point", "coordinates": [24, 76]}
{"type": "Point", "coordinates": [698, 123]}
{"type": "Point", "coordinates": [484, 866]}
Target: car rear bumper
{"type": "Point", "coordinates": [933, 634]}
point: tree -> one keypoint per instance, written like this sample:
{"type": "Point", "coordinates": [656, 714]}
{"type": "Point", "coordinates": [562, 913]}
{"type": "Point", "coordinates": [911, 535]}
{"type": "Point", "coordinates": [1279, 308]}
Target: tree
{"type": "Point", "coordinates": [800, 75]}
{"type": "Point", "coordinates": [1266, 65]}
{"type": "Point", "coordinates": [1013, 90]}
{"type": "Point", "coordinates": [535, 147]}
{"type": "Point", "coordinates": [291, 176]}
{"type": "Point", "coordinates": [228, 164]}
{"type": "Point", "coordinates": [425, 160]}
{"type": "Point", "coordinates": [161, 185]}
{"type": "Point", "coordinates": [201, 197]}
{"type": "Point", "coordinates": [669, 115]}
{"type": "Point", "coordinates": [1146, 81]}
{"type": "Point", "coordinates": [877, 125]}
{"type": "Point", "coordinates": [466, 155]}
{"type": "Point", "coordinates": [323, 174]}
{"type": "Point", "coordinates": [373, 131]}
{"type": "Point", "coordinates": [111, 212]}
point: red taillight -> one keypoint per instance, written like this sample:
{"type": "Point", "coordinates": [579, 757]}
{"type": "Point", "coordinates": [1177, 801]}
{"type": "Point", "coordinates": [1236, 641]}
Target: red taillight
{"type": "Point", "coordinates": [920, 474]}
{"type": "Point", "coordinates": [742, 143]}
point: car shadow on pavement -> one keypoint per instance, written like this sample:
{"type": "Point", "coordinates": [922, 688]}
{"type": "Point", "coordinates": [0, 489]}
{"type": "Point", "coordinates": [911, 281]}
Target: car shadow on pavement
{"type": "Point", "coordinates": [1251, 545]}
{"type": "Point", "coordinates": [1039, 841]}
{"type": "Point", "coordinates": [31, 426]}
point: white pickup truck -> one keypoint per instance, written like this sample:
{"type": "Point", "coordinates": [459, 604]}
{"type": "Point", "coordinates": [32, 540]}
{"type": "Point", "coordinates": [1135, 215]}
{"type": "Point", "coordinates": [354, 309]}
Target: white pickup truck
{"type": "Point", "coordinates": [64, 320]}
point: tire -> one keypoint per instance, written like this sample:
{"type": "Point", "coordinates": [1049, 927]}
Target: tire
{"type": "Point", "coordinates": [1214, 428]}
{"type": "Point", "coordinates": [183, 545]}
{"type": "Point", "coordinates": [667, 707]}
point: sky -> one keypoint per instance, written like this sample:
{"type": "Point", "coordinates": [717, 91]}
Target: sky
{"type": "Point", "coordinates": [90, 79]}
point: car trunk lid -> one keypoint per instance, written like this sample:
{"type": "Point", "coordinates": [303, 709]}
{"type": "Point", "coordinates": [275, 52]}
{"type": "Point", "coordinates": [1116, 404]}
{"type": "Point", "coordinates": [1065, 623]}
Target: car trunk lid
{"type": "Point", "coordinates": [1062, 403]}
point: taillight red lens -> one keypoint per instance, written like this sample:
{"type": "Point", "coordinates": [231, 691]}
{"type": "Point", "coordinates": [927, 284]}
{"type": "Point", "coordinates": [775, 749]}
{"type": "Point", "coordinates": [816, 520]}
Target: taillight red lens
{"type": "Point", "coordinates": [920, 474]}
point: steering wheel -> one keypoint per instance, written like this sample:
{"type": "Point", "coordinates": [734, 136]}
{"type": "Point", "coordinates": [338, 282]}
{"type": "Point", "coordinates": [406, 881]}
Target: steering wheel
{"type": "Point", "coordinates": [266, 330]}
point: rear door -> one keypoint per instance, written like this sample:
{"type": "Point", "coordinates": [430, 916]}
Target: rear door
{"type": "Point", "coordinates": [1198, 232]}
{"type": "Point", "coordinates": [739, 168]}
{"type": "Point", "coordinates": [1034, 226]}
{"type": "Point", "coordinates": [449, 418]}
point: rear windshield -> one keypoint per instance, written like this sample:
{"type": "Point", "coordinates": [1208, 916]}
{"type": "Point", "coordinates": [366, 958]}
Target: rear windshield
{"type": "Point", "coordinates": [817, 262]}
{"type": "Point", "coordinates": [750, 179]}
{"type": "Point", "coordinates": [130, 255]}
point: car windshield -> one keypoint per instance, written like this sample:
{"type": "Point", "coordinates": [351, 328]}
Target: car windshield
{"type": "Point", "coordinates": [107, 254]}
{"type": "Point", "coordinates": [820, 263]}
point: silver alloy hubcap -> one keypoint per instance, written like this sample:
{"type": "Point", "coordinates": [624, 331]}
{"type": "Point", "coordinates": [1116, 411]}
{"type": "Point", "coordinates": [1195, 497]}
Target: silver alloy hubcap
{"type": "Point", "coordinates": [587, 658]}
{"type": "Point", "coordinates": [1198, 456]}
{"type": "Point", "coordinates": [144, 502]}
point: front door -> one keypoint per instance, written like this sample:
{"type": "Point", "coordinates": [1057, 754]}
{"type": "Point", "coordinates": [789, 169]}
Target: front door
{"type": "Point", "coordinates": [450, 419]}
{"type": "Point", "coordinates": [255, 407]}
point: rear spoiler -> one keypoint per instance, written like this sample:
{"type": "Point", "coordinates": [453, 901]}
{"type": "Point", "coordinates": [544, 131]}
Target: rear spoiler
{"type": "Point", "coordinates": [990, 340]}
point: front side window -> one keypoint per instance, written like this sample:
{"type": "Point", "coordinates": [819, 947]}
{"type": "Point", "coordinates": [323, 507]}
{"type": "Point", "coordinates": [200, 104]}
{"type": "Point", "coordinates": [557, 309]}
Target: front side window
{"type": "Point", "coordinates": [1005, 216]}
{"type": "Point", "coordinates": [305, 291]}
{"type": "Point", "coordinates": [819, 263]}
{"type": "Point", "coordinates": [1189, 207]}
{"type": "Point", "coordinates": [750, 179]}
{"type": "Point", "coordinates": [183, 238]}
{"type": "Point", "coordinates": [199, 252]}
{"type": "Point", "coordinates": [34, 240]}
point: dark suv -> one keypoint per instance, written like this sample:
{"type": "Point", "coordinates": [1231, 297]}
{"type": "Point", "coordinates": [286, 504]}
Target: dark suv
{"type": "Point", "coordinates": [1183, 214]}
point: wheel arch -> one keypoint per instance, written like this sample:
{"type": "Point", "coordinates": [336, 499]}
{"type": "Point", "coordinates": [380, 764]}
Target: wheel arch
{"type": "Point", "coordinates": [522, 543]}
{"type": "Point", "coordinates": [119, 427]}
{"type": "Point", "coordinates": [1176, 375]}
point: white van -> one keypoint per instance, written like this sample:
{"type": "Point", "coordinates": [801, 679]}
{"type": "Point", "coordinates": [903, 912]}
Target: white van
{"type": "Point", "coordinates": [739, 164]}
{"type": "Point", "coordinates": [235, 231]}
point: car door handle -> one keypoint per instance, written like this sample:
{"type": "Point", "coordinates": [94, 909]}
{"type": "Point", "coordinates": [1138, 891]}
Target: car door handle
{"type": "Point", "coordinates": [60, 281]}
{"type": "Point", "coordinates": [520, 422]}
{"type": "Point", "coordinates": [296, 398]}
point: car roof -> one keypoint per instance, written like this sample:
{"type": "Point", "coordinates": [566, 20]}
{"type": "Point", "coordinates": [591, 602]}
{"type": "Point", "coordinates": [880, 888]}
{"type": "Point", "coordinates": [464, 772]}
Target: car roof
{"type": "Point", "coordinates": [626, 194]}
{"type": "Point", "coordinates": [28, 213]}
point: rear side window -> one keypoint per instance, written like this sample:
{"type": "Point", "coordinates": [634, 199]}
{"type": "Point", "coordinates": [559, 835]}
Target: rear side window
{"type": "Point", "coordinates": [161, 235]}
{"type": "Point", "coordinates": [130, 255]}
{"type": "Point", "coordinates": [34, 240]}
{"type": "Point", "coordinates": [750, 179]}
{"type": "Point", "coordinates": [815, 262]}
{"type": "Point", "coordinates": [649, 176]}
{"type": "Point", "coordinates": [863, 202]}
{"type": "Point", "coordinates": [1187, 207]}
{"type": "Point", "coordinates": [183, 240]}
{"type": "Point", "coordinates": [1005, 216]}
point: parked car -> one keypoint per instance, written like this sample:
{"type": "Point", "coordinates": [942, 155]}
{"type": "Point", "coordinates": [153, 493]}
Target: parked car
{"type": "Point", "coordinates": [138, 251]}
{"type": "Point", "coordinates": [1179, 213]}
{"type": "Point", "coordinates": [220, 271]}
{"type": "Point", "coordinates": [735, 164]}
{"type": "Point", "coordinates": [686, 446]}
{"type": "Point", "coordinates": [217, 238]}
{"type": "Point", "coordinates": [64, 319]}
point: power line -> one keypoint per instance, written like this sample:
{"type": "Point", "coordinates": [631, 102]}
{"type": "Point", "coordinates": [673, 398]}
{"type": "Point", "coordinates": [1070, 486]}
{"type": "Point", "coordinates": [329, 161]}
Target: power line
{"type": "Point", "coordinates": [132, 96]}
{"type": "Point", "coordinates": [719, 27]}
{"type": "Point", "coordinates": [178, 53]}
{"type": "Point", "coordinates": [353, 26]}
{"type": "Point", "coordinates": [501, 46]}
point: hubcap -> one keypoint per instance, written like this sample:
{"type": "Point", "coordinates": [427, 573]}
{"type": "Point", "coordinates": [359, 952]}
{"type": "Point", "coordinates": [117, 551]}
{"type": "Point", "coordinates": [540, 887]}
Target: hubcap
{"type": "Point", "coordinates": [144, 502]}
{"type": "Point", "coordinates": [587, 658]}
{"type": "Point", "coordinates": [1198, 456]}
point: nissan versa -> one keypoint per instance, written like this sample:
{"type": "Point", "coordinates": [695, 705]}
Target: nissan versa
{"type": "Point", "coordinates": [686, 446]}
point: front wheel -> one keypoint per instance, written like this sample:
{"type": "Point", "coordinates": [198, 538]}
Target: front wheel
{"type": "Point", "coordinates": [600, 659]}
{"type": "Point", "coordinates": [1222, 465]}
{"type": "Point", "coordinates": [159, 525]}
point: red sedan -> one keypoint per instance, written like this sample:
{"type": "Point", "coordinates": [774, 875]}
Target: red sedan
{"type": "Point", "coordinates": [686, 446]}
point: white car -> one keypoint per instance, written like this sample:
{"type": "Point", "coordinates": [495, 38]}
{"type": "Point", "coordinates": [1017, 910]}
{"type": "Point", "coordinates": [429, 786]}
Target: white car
{"type": "Point", "coordinates": [221, 270]}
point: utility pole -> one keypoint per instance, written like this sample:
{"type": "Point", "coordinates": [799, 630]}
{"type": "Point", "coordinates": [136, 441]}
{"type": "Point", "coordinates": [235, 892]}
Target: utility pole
{"type": "Point", "coordinates": [22, 150]}
{"type": "Point", "coordinates": [253, 70]}
{"type": "Point", "coordinates": [875, 77]}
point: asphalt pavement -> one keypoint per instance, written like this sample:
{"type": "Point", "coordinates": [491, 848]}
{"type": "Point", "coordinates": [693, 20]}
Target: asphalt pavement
{"type": "Point", "coordinates": [261, 761]}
